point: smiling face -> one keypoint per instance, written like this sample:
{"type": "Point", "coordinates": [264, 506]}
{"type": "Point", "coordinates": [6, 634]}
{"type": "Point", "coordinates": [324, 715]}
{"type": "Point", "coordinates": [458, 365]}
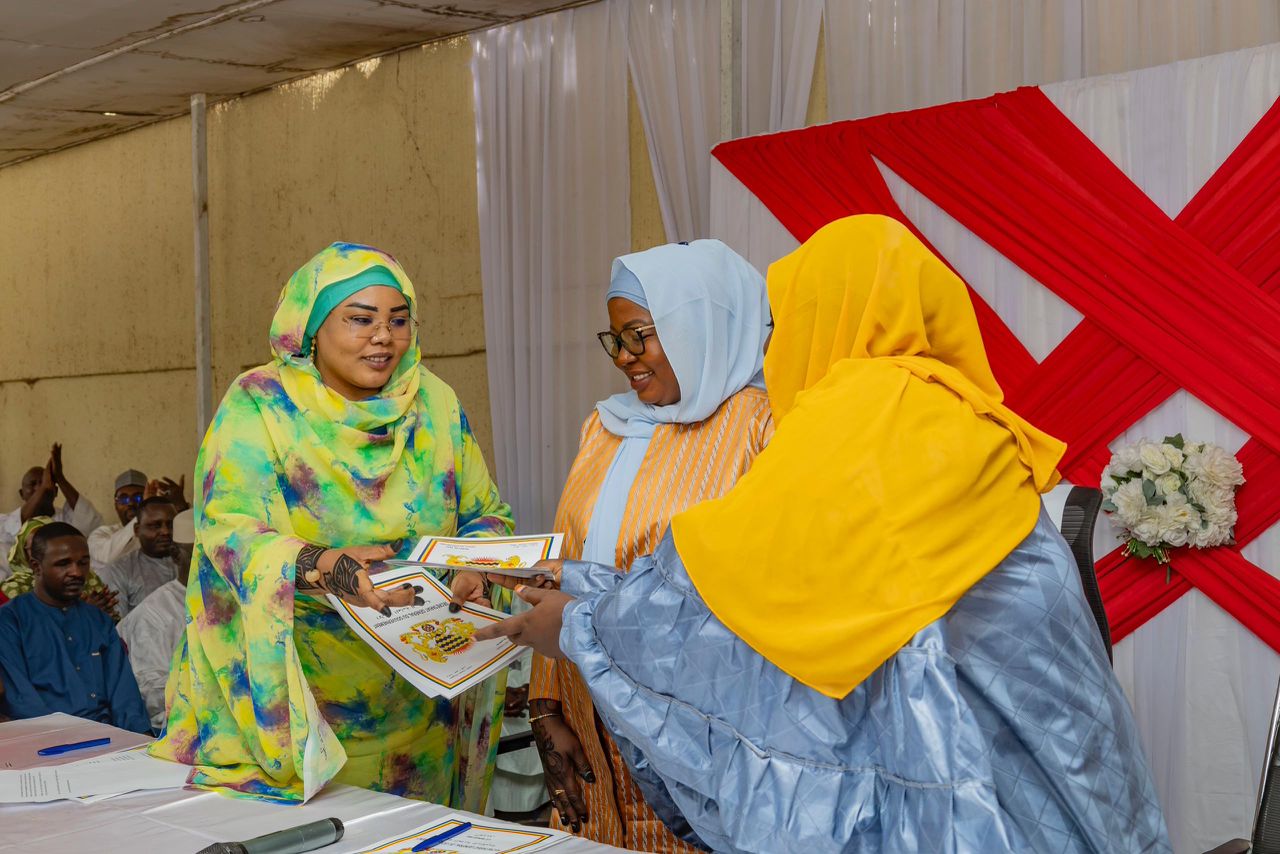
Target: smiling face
{"type": "Point", "coordinates": [62, 570]}
{"type": "Point", "coordinates": [650, 374]}
{"type": "Point", "coordinates": [362, 341]}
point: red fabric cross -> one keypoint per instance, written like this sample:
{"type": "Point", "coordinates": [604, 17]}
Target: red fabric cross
{"type": "Point", "coordinates": [1167, 303]}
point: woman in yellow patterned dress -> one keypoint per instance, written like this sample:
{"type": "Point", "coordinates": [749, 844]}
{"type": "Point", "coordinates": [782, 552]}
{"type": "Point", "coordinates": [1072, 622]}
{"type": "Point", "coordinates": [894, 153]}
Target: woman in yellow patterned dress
{"type": "Point", "coordinates": [342, 451]}
{"type": "Point", "coordinates": [688, 325]}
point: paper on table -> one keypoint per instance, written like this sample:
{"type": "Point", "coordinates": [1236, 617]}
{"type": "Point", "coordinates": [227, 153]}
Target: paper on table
{"type": "Point", "coordinates": [426, 644]}
{"type": "Point", "coordinates": [486, 838]}
{"type": "Point", "coordinates": [19, 740]}
{"type": "Point", "coordinates": [500, 555]}
{"type": "Point", "coordinates": [113, 774]}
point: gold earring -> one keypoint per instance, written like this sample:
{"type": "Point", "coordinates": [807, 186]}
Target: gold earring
{"type": "Point", "coordinates": [313, 349]}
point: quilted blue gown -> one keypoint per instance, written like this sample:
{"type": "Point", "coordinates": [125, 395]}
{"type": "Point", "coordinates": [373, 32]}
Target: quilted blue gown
{"type": "Point", "coordinates": [999, 727]}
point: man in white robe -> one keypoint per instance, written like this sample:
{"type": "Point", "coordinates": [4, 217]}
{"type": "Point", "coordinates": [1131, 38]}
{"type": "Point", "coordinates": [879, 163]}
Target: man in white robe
{"type": "Point", "coordinates": [110, 542]}
{"type": "Point", "coordinates": [152, 630]}
{"type": "Point", "coordinates": [140, 573]}
{"type": "Point", "coordinates": [40, 486]}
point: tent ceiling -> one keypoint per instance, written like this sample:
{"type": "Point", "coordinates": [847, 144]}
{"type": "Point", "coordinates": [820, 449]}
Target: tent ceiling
{"type": "Point", "coordinates": [143, 59]}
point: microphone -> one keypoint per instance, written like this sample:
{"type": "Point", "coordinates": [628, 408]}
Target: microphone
{"type": "Point", "coordinates": [292, 840]}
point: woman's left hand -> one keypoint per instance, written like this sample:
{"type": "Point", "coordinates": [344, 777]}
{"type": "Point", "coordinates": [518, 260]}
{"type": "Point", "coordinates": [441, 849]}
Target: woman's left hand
{"type": "Point", "coordinates": [538, 627]}
{"type": "Point", "coordinates": [467, 586]}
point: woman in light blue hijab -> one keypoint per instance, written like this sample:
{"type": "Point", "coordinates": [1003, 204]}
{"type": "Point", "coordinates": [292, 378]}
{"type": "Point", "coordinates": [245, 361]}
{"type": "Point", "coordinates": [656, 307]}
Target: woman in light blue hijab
{"type": "Point", "coordinates": [687, 326]}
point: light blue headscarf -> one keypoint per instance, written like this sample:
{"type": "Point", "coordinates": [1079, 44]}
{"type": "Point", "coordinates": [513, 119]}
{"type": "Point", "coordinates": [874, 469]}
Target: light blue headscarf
{"type": "Point", "coordinates": [712, 316]}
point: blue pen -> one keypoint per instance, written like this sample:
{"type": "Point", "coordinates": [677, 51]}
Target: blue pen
{"type": "Point", "coordinates": [442, 837]}
{"type": "Point", "coordinates": [75, 745]}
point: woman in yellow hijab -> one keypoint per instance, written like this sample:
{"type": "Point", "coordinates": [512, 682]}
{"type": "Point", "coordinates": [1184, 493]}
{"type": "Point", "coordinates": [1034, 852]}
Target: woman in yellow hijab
{"type": "Point", "coordinates": [876, 641]}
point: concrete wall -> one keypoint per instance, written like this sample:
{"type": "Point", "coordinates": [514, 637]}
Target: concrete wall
{"type": "Point", "coordinates": [96, 256]}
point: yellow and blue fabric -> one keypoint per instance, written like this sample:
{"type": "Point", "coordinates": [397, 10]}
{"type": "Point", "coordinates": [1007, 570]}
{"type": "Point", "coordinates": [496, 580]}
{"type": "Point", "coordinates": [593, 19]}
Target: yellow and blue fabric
{"type": "Point", "coordinates": [271, 695]}
{"type": "Point", "coordinates": [995, 726]}
{"type": "Point", "coordinates": [879, 381]}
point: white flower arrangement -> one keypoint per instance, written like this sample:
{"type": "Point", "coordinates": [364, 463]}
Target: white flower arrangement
{"type": "Point", "coordinates": [1169, 494]}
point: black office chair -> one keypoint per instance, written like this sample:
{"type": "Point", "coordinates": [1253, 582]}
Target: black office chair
{"type": "Point", "coordinates": [1079, 518]}
{"type": "Point", "coordinates": [1266, 818]}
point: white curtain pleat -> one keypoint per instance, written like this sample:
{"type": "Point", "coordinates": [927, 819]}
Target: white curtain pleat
{"type": "Point", "coordinates": [673, 48]}
{"type": "Point", "coordinates": [554, 188]}
{"type": "Point", "coordinates": [887, 55]}
{"type": "Point", "coordinates": [1200, 684]}
{"type": "Point", "coordinates": [779, 45]}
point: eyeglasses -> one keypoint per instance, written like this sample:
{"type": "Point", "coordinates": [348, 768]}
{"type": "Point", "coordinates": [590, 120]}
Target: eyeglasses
{"type": "Point", "coordinates": [126, 500]}
{"type": "Point", "coordinates": [363, 327]}
{"type": "Point", "coordinates": [631, 338]}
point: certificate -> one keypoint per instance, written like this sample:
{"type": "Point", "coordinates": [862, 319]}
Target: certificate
{"type": "Point", "coordinates": [480, 838]}
{"type": "Point", "coordinates": [432, 648]}
{"type": "Point", "coordinates": [501, 555]}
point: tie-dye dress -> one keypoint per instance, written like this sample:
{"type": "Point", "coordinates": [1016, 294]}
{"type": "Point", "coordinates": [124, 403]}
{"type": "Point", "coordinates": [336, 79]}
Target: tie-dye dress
{"type": "Point", "coordinates": [270, 694]}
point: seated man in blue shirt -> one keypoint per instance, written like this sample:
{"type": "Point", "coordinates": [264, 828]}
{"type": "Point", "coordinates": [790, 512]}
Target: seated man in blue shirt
{"type": "Point", "coordinates": [59, 654]}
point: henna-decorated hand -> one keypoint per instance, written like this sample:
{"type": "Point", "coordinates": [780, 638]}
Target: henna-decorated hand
{"type": "Point", "coordinates": [563, 760]}
{"type": "Point", "coordinates": [345, 573]}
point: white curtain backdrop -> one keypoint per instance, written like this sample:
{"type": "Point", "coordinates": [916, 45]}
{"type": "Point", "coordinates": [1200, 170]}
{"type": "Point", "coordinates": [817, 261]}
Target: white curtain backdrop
{"type": "Point", "coordinates": [779, 44]}
{"type": "Point", "coordinates": [887, 55]}
{"type": "Point", "coordinates": [1200, 684]}
{"type": "Point", "coordinates": [673, 47]}
{"type": "Point", "coordinates": [554, 187]}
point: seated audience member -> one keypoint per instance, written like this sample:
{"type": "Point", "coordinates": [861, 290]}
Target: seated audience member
{"type": "Point", "coordinates": [139, 574]}
{"type": "Point", "coordinates": [877, 639]}
{"type": "Point", "coordinates": [23, 579]}
{"type": "Point", "coordinates": [59, 654]}
{"type": "Point", "coordinates": [39, 488]}
{"type": "Point", "coordinates": [109, 543]}
{"type": "Point", "coordinates": [152, 630]}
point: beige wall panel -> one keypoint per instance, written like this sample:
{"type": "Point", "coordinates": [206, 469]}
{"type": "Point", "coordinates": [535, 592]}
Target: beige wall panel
{"type": "Point", "coordinates": [96, 248]}
{"type": "Point", "coordinates": [382, 153]}
{"type": "Point", "coordinates": [105, 423]}
{"type": "Point", "coordinates": [646, 215]}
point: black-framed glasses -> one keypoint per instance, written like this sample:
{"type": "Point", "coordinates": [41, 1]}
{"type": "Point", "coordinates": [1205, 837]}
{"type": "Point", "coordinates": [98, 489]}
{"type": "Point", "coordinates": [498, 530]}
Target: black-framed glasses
{"type": "Point", "coordinates": [631, 338]}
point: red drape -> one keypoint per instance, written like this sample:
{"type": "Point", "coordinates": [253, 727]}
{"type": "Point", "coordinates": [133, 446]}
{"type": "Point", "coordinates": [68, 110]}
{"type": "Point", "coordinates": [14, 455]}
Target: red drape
{"type": "Point", "coordinates": [1167, 303]}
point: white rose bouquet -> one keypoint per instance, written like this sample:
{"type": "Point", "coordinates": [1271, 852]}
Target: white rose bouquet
{"type": "Point", "coordinates": [1173, 493]}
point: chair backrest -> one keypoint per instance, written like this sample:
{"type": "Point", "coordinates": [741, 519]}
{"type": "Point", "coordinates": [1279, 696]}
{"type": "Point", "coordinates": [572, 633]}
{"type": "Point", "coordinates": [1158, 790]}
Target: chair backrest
{"type": "Point", "coordinates": [1266, 823]}
{"type": "Point", "coordinates": [1076, 520]}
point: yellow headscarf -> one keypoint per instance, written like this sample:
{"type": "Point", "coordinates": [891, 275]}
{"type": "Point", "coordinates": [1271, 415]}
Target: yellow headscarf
{"type": "Point", "coordinates": [896, 479]}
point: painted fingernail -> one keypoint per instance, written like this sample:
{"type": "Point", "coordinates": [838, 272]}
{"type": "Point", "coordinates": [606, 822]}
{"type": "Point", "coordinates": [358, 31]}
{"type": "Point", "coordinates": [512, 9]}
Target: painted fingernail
{"type": "Point", "coordinates": [385, 610]}
{"type": "Point", "coordinates": [418, 600]}
{"type": "Point", "coordinates": [454, 607]}
{"type": "Point", "coordinates": [405, 586]}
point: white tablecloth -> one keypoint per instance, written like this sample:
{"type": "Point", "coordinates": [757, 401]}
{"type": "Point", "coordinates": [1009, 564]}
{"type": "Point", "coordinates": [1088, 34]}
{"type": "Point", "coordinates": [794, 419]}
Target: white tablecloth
{"type": "Point", "coordinates": [182, 821]}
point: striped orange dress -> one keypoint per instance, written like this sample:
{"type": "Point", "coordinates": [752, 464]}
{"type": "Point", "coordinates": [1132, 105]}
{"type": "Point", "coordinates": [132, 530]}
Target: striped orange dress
{"type": "Point", "coordinates": [683, 465]}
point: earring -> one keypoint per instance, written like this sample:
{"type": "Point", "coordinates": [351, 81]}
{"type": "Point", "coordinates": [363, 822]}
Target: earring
{"type": "Point", "coordinates": [313, 349]}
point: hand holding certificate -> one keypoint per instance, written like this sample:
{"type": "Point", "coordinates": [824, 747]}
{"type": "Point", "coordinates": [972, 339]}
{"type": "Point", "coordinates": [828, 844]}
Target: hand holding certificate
{"type": "Point", "coordinates": [433, 648]}
{"type": "Point", "coordinates": [510, 556]}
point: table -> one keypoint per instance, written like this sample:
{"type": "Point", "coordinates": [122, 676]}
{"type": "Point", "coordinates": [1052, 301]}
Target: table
{"type": "Point", "coordinates": [182, 821]}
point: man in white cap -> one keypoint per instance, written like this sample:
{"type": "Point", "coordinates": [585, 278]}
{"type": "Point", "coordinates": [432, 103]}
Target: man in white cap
{"type": "Point", "coordinates": [152, 630]}
{"type": "Point", "coordinates": [109, 543]}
